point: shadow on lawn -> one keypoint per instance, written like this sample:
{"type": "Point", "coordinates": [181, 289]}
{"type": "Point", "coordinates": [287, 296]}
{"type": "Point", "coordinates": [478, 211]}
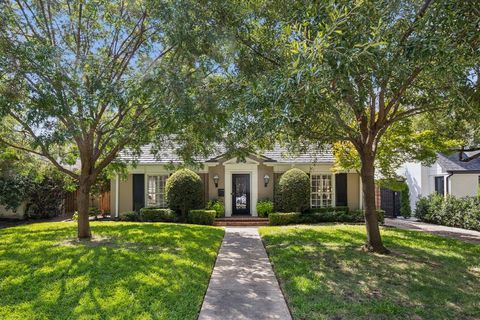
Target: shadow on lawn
{"type": "Point", "coordinates": [325, 274]}
{"type": "Point", "coordinates": [148, 270]}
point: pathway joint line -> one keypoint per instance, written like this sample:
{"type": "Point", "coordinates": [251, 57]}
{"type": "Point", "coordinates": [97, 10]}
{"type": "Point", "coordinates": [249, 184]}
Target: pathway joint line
{"type": "Point", "coordinates": [243, 285]}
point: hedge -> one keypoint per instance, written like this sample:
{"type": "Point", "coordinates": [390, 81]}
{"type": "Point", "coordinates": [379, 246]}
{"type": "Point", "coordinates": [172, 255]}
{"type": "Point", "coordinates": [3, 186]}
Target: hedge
{"type": "Point", "coordinates": [283, 218]}
{"type": "Point", "coordinates": [205, 217]}
{"type": "Point", "coordinates": [450, 211]}
{"type": "Point", "coordinates": [157, 215]}
{"type": "Point", "coordinates": [130, 216]}
{"type": "Point", "coordinates": [329, 209]}
{"type": "Point", "coordinates": [277, 219]}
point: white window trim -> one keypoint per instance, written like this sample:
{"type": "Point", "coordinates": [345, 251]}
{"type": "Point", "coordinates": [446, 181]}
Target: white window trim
{"type": "Point", "coordinates": [332, 175]}
{"type": "Point", "coordinates": [166, 174]}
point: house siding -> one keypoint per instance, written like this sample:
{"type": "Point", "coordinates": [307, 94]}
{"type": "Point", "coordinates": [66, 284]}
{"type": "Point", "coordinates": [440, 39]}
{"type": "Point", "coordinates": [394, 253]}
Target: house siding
{"type": "Point", "coordinates": [463, 185]}
{"type": "Point", "coordinates": [265, 193]}
{"type": "Point", "coordinates": [353, 191]}
{"type": "Point", "coordinates": [212, 190]}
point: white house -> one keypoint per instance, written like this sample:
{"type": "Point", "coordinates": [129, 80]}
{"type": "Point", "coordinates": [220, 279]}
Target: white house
{"type": "Point", "coordinates": [449, 175]}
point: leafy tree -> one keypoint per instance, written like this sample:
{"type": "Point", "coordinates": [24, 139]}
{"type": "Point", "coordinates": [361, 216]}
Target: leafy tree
{"type": "Point", "coordinates": [350, 72]}
{"type": "Point", "coordinates": [82, 80]}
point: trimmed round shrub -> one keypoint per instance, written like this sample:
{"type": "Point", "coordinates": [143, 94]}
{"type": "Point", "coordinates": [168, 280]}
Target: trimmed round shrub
{"type": "Point", "coordinates": [184, 191]}
{"type": "Point", "coordinates": [264, 208]}
{"type": "Point", "coordinates": [157, 215]}
{"type": "Point", "coordinates": [294, 188]}
{"type": "Point", "coordinates": [283, 218]}
{"type": "Point", "coordinates": [204, 217]}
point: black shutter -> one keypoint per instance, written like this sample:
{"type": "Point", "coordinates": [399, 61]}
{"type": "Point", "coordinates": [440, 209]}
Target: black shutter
{"type": "Point", "coordinates": [341, 189]}
{"type": "Point", "coordinates": [138, 191]}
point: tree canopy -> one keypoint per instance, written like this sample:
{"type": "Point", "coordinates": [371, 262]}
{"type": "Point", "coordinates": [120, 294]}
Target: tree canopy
{"type": "Point", "coordinates": [82, 80]}
{"type": "Point", "coordinates": [353, 72]}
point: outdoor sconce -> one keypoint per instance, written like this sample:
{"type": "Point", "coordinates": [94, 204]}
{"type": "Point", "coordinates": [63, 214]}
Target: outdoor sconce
{"type": "Point", "coordinates": [266, 179]}
{"type": "Point", "coordinates": [215, 180]}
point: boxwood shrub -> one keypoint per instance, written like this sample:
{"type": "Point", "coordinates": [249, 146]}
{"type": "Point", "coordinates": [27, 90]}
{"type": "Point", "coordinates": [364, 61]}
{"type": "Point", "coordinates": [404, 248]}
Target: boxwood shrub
{"type": "Point", "coordinates": [264, 208]}
{"type": "Point", "coordinates": [205, 217]}
{"type": "Point", "coordinates": [157, 215]}
{"type": "Point", "coordinates": [130, 216]}
{"type": "Point", "coordinates": [328, 209]}
{"type": "Point", "coordinates": [294, 189]}
{"type": "Point", "coordinates": [352, 216]}
{"type": "Point", "coordinates": [218, 206]}
{"type": "Point", "coordinates": [184, 191]}
{"type": "Point", "coordinates": [283, 218]}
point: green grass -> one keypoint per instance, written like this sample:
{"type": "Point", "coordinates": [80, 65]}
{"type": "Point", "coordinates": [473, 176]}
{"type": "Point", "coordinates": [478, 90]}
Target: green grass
{"type": "Point", "coordinates": [325, 275]}
{"type": "Point", "coordinates": [129, 271]}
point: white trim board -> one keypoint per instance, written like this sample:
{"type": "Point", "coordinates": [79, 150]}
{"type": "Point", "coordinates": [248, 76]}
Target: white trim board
{"type": "Point", "coordinates": [241, 168]}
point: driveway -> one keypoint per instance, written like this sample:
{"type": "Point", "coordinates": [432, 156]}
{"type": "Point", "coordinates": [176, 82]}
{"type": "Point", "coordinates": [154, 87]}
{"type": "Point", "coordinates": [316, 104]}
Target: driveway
{"type": "Point", "coordinates": [470, 236]}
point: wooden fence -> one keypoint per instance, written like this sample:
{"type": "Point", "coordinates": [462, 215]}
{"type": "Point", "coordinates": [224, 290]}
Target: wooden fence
{"type": "Point", "coordinates": [101, 202]}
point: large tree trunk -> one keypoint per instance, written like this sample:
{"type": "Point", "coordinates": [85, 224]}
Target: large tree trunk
{"type": "Point", "coordinates": [83, 201]}
{"type": "Point", "coordinates": [374, 240]}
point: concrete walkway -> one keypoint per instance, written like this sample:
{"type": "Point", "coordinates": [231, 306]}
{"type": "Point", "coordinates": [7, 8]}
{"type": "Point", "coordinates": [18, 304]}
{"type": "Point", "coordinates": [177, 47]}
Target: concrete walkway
{"type": "Point", "coordinates": [243, 285]}
{"type": "Point", "coordinates": [470, 236]}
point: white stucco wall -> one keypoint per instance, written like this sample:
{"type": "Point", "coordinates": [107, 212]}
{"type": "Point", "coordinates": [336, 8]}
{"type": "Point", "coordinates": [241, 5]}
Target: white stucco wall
{"type": "Point", "coordinates": [464, 185]}
{"type": "Point", "coordinates": [413, 174]}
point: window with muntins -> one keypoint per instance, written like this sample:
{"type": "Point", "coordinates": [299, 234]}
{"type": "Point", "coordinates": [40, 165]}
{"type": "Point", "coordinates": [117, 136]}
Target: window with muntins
{"type": "Point", "coordinates": [321, 188]}
{"type": "Point", "coordinates": [156, 191]}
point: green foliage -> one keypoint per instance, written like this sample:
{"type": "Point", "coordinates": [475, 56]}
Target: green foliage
{"type": "Point", "coordinates": [157, 215]}
{"type": "Point", "coordinates": [203, 217]}
{"type": "Point", "coordinates": [130, 216]}
{"type": "Point", "coordinates": [348, 216]}
{"type": "Point", "coordinates": [218, 206]}
{"type": "Point", "coordinates": [75, 216]}
{"type": "Point", "coordinates": [264, 208]}
{"type": "Point", "coordinates": [405, 209]}
{"type": "Point", "coordinates": [450, 211]}
{"type": "Point", "coordinates": [329, 209]}
{"type": "Point", "coordinates": [283, 218]}
{"type": "Point", "coordinates": [94, 212]}
{"type": "Point", "coordinates": [184, 191]}
{"type": "Point", "coordinates": [294, 187]}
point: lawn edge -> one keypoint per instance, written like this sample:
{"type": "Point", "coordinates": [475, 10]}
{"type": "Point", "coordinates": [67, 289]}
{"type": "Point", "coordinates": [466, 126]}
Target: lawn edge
{"type": "Point", "coordinates": [280, 284]}
{"type": "Point", "coordinates": [211, 272]}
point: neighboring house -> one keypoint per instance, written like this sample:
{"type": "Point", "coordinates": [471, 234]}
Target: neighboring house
{"type": "Point", "coordinates": [239, 183]}
{"type": "Point", "coordinates": [449, 175]}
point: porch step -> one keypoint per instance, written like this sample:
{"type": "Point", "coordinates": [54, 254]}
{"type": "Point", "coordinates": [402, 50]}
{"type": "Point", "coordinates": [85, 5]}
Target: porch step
{"type": "Point", "coordinates": [240, 221]}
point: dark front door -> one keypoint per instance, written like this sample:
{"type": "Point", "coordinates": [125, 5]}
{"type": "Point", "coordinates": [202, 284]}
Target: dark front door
{"type": "Point", "coordinates": [240, 194]}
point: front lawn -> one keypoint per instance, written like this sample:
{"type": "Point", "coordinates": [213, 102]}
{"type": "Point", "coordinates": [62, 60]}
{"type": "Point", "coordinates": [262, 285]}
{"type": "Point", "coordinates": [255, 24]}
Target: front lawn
{"type": "Point", "coordinates": [325, 275]}
{"type": "Point", "coordinates": [128, 271]}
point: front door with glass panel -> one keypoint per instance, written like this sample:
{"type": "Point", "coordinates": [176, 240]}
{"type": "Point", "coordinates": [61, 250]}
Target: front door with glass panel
{"type": "Point", "coordinates": [240, 194]}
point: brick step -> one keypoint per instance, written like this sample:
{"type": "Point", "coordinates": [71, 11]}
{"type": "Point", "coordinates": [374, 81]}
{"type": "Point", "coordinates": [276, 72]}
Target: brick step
{"type": "Point", "coordinates": [241, 221]}
{"type": "Point", "coordinates": [240, 224]}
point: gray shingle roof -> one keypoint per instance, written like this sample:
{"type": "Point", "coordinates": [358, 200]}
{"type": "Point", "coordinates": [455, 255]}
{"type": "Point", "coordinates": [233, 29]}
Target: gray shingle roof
{"type": "Point", "coordinates": [453, 163]}
{"type": "Point", "coordinates": [278, 154]}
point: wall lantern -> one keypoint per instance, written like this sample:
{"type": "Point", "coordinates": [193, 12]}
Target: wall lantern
{"type": "Point", "coordinates": [266, 179]}
{"type": "Point", "coordinates": [215, 180]}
